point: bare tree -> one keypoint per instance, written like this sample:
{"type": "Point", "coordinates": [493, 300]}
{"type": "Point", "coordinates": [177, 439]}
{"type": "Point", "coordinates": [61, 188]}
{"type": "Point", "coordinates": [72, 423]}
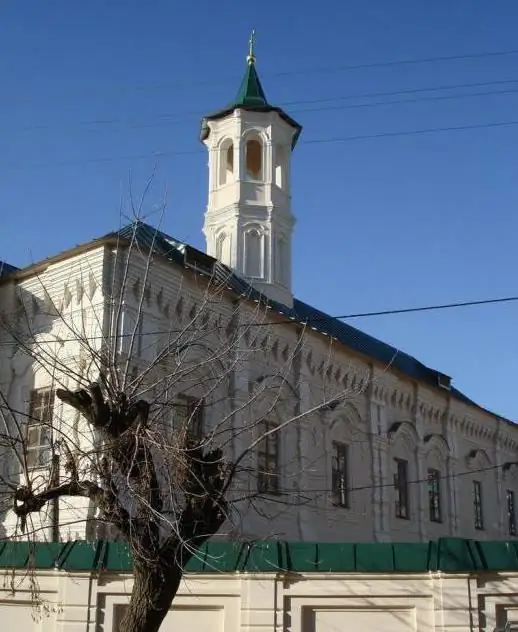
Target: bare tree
{"type": "Point", "coordinates": [146, 428]}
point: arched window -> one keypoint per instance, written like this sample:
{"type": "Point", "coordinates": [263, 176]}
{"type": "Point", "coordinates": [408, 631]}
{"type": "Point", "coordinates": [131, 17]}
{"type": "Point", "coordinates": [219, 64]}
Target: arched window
{"type": "Point", "coordinates": [280, 167]}
{"type": "Point", "coordinates": [403, 439]}
{"type": "Point", "coordinates": [253, 254]}
{"type": "Point", "coordinates": [220, 242]}
{"type": "Point", "coordinates": [226, 164]}
{"type": "Point", "coordinates": [254, 159]}
{"type": "Point", "coordinates": [223, 248]}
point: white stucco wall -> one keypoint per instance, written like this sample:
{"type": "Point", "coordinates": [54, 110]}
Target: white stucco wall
{"type": "Point", "coordinates": [433, 602]}
{"type": "Point", "coordinates": [433, 428]}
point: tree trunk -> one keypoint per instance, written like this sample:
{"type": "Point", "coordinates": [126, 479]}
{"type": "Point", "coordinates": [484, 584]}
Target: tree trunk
{"type": "Point", "coordinates": [154, 588]}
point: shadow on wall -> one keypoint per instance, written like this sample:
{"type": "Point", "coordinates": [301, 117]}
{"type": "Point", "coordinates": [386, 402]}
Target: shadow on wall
{"type": "Point", "coordinates": [27, 390]}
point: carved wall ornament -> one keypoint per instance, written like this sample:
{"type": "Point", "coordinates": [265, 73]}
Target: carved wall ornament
{"type": "Point", "coordinates": [346, 421]}
{"type": "Point", "coordinates": [67, 296]}
{"type": "Point", "coordinates": [92, 285]}
{"type": "Point", "coordinates": [478, 459]}
{"type": "Point", "coordinates": [36, 309]}
{"type": "Point", "coordinates": [179, 308]}
{"type": "Point", "coordinates": [309, 360]}
{"type": "Point", "coordinates": [437, 443]}
{"type": "Point", "coordinates": [400, 428]}
{"type": "Point", "coordinates": [50, 307]}
{"type": "Point", "coordinates": [160, 298]}
{"type": "Point", "coordinates": [80, 290]}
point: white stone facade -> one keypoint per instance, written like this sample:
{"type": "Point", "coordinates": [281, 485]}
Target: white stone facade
{"type": "Point", "coordinates": [431, 602]}
{"type": "Point", "coordinates": [400, 458]}
{"type": "Point", "coordinates": [386, 415]}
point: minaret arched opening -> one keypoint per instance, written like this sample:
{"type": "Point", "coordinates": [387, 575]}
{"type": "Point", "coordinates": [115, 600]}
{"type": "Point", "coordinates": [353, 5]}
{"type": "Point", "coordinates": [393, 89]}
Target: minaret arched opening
{"type": "Point", "coordinates": [226, 162]}
{"type": "Point", "coordinates": [254, 158]}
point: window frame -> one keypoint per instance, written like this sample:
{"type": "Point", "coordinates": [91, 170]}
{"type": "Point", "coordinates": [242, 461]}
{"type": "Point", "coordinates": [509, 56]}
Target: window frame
{"type": "Point", "coordinates": [39, 422]}
{"type": "Point", "coordinates": [340, 475]}
{"type": "Point", "coordinates": [402, 500]}
{"type": "Point", "coordinates": [478, 508]}
{"type": "Point", "coordinates": [434, 496]}
{"type": "Point", "coordinates": [193, 419]}
{"type": "Point", "coordinates": [268, 451]}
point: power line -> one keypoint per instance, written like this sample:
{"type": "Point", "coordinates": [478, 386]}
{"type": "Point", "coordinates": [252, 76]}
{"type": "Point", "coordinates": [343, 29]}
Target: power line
{"type": "Point", "coordinates": [344, 139]}
{"type": "Point", "coordinates": [369, 487]}
{"type": "Point", "coordinates": [445, 97]}
{"type": "Point", "coordinates": [303, 321]}
{"type": "Point", "coordinates": [400, 62]}
{"type": "Point", "coordinates": [307, 71]}
{"type": "Point", "coordinates": [417, 481]}
{"type": "Point", "coordinates": [165, 118]}
{"type": "Point", "coordinates": [418, 132]}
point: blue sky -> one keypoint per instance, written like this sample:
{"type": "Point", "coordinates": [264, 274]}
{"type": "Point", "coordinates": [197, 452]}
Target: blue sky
{"type": "Point", "coordinates": [92, 90]}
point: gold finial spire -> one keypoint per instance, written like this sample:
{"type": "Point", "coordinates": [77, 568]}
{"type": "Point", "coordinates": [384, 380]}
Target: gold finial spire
{"type": "Point", "coordinates": [251, 45]}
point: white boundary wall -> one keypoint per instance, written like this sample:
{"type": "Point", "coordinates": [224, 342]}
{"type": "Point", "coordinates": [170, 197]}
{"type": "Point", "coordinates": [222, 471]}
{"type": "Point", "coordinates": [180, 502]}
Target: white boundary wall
{"type": "Point", "coordinates": [433, 602]}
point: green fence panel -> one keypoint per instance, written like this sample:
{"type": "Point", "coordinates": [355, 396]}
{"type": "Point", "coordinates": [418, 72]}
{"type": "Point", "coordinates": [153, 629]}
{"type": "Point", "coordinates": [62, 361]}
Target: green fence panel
{"type": "Point", "coordinates": [223, 557]}
{"type": "Point", "coordinates": [82, 556]}
{"type": "Point", "coordinates": [456, 555]}
{"type": "Point", "coordinates": [336, 558]}
{"type": "Point", "coordinates": [412, 557]}
{"type": "Point", "coordinates": [15, 554]}
{"type": "Point", "coordinates": [450, 555]}
{"type": "Point", "coordinates": [46, 554]}
{"type": "Point", "coordinates": [302, 557]}
{"type": "Point", "coordinates": [117, 557]}
{"type": "Point", "coordinates": [498, 555]}
{"type": "Point", "coordinates": [376, 557]}
{"type": "Point", "coordinates": [267, 556]}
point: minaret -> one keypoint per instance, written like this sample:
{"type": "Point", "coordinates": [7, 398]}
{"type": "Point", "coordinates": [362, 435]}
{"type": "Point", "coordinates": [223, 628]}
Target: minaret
{"type": "Point", "coordinates": [248, 222]}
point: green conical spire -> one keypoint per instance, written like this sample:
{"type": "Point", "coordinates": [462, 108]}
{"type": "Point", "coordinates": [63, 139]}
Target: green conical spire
{"type": "Point", "coordinates": [251, 91]}
{"type": "Point", "coordinates": [251, 97]}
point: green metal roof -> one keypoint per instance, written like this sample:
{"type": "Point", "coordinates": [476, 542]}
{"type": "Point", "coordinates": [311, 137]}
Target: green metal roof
{"type": "Point", "coordinates": [358, 341]}
{"type": "Point", "coordinates": [147, 236]}
{"type": "Point", "coordinates": [250, 93]}
{"type": "Point", "coordinates": [452, 555]}
{"type": "Point", "coordinates": [251, 97]}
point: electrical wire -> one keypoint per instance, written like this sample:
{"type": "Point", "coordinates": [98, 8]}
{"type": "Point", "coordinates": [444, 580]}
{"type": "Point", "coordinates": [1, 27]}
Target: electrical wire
{"type": "Point", "coordinates": [340, 139]}
{"type": "Point", "coordinates": [301, 71]}
{"type": "Point", "coordinates": [171, 117]}
{"type": "Point", "coordinates": [302, 321]}
{"type": "Point", "coordinates": [417, 481]}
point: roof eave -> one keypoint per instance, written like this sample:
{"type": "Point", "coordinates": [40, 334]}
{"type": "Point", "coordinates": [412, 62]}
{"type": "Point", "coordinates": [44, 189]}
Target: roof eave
{"type": "Point", "coordinates": [219, 114]}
